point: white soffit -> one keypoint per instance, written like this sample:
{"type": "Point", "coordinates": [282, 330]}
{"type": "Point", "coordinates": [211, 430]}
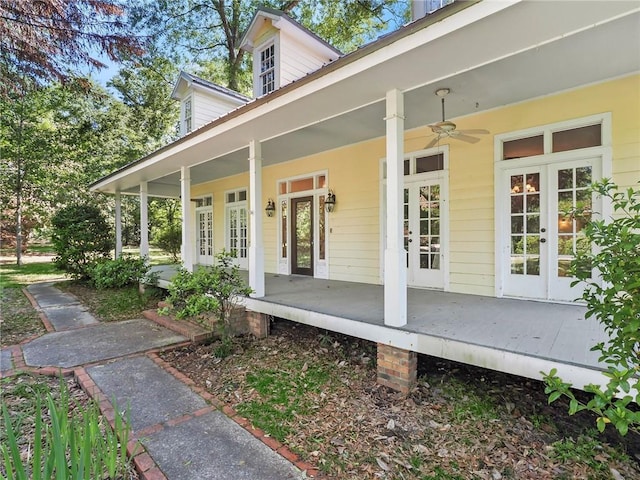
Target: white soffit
{"type": "Point", "coordinates": [483, 53]}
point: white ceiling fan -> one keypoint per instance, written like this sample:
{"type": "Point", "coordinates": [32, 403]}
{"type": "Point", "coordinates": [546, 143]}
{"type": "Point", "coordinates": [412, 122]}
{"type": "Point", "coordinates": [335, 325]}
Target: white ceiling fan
{"type": "Point", "coordinates": [448, 129]}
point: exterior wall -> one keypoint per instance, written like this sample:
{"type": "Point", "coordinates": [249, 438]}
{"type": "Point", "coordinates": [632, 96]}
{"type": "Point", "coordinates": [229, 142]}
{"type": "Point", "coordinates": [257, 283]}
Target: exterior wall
{"type": "Point", "coordinates": [207, 108]}
{"type": "Point", "coordinates": [353, 238]}
{"type": "Point", "coordinates": [297, 60]}
{"type": "Point", "coordinates": [354, 235]}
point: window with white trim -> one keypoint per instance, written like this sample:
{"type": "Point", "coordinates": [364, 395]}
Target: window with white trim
{"type": "Point", "coordinates": [237, 225]}
{"type": "Point", "coordinates": [187, 116]}
{"type": "Point", "coordinates": [267, 75]}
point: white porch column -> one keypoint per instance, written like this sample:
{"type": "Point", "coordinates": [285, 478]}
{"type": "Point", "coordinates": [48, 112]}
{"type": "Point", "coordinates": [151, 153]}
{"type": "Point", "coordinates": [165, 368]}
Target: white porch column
{"type": "Point", "coordinates": [144, 220]}
{"type": "Point", "coordinates": [395, 270]}
{"type": "Point", "coordinates": [118, 222]}
{"type": "Point", "coordinates": [187, 248]}
{"type": "Point", "coordinates": [256, 249]}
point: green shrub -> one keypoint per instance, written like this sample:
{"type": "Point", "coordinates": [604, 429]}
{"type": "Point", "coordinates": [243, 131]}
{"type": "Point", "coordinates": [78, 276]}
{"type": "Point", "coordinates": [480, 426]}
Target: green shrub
{"type": "Point", "coordinates": [80, 237]}
{"type": "Point", "coordinates": [69, 445]}
{"type": "Point", "coordinates": [215, 289]}
{"type": "Point", "coordinates": [121, 272]}
{"type": "Point", "coordinates": [169, 239]}
{"type": "Point", "coordinates": [615, 303]}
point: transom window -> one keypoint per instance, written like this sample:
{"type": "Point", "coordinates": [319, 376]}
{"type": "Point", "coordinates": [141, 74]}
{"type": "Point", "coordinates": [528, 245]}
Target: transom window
{"type": "Point", "coordinates": [553, 141]}
{"type": "Point", "coordinates": [424, 164]}
{"type": "Point", "coordinates": [204, 202]}
{"type": "Point", "coordinates": [267, 70]}
{"type": "Point", "coordinates": [237, 196]}
{"type": "Point", "coordinates": [302, 184]}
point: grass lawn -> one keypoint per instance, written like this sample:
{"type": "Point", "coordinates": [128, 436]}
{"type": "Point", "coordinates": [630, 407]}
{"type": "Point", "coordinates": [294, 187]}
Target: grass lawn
{"type": "Point", "coordinates": [12, 275]}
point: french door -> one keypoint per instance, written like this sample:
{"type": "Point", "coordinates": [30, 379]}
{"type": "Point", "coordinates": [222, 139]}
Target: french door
{"type": "Point", "coordinates": [302, 236]}
{"type": "Point", "coordinates": [204, 235]}
{"type": "Point", "coordinates": [545, 209]}
{"type": "Point", "coordinates": [423, 229]}
{"type": "Point", "coordinates": [237, 229]}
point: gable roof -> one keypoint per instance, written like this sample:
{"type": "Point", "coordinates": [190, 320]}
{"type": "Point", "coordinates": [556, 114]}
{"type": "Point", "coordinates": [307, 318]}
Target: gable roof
{"type": "Point", "coordinates": [218, 90]}
{"type": "Point", "coordinates": [280, 20]}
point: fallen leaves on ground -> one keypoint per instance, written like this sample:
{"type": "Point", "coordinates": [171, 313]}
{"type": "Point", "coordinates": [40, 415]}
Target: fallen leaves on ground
{"type": "Point", "coordinates": [459, 422]}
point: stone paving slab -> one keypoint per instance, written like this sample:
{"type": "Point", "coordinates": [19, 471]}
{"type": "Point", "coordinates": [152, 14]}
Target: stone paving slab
{"type": "Point", "coordinates": [68, 317]}
{"type": "Point", "coordinates": [6, 363]}
{"type": "Point", "coordinates": [49, 296]}
{"type": "Point", "coordinates": [152, 395]}
{"type": "Point", "coordinates": [97, 343]}
{"type": "Point", "coordinates": [214, 447]}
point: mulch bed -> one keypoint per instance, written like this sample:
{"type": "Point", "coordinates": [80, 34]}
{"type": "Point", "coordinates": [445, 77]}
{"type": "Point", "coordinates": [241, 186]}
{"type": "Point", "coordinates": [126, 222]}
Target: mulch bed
{"type": "Point", "coordinates": [459, 422]}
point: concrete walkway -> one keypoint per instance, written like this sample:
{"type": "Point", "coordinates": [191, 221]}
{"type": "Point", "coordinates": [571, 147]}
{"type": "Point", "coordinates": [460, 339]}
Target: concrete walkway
{"type": "Point", "coordinates": [180, 432]}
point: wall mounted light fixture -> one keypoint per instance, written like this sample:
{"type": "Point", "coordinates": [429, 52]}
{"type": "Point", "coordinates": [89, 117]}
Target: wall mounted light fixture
{"type": "Point", "coordinates": [330, 201]}
{"type": "Point", "coordinates": [270, 209]}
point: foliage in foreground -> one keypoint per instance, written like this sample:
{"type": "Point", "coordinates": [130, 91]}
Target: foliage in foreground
{"type": "Point", "coordinates": [70, 446]}
{"type": "Point", "coordinates": [121, 272]}
{"type": "Point", "coordinates": [212, 289]}
{"type": "Point", "coordinates": [80, 237]}
{"type": "Point", "coordinates": [615, 303]}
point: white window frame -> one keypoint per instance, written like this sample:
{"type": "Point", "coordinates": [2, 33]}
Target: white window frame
{"type": "Point", "coordinates": [197, 210]}
{"type": "Point", "coordinates": [320, 267]}
{"type": "Point", "coordinates": [243, 263]}
{"type": "Point", "coordinates": [443, 177]}
{"type": "Point", "coordinates": [604, 151]}
{"type": "Point", "coordinates": [257, 74]}
{"type": "Point", "coordinates": [187, 122]}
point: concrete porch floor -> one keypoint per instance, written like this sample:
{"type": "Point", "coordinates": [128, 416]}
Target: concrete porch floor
{"type": "Point", "coordinates": [520, 337]}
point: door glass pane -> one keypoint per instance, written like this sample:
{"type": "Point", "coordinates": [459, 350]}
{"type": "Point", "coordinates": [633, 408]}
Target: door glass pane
{"type": "Point", "coordinates": [243, 244]}
{"type": "Point", "coordinates": [303, 234]}
{"type": "Point", "coordinates": [321, 226]}
{"type": "Point", "coordinates": [283, 226]}
{"type": "Point", "coordinates": [574, 209]}
{"type": "Point", "coordinates": [525, 224]}
{"type": "Point", "coordinates": [233, 230]}
{"type": "Point", "coordinates": [429, 203]}
{"type": "Point", "coordinates": [406, 224]}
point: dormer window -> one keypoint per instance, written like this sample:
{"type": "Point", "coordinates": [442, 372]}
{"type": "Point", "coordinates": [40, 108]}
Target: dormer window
{"type": "Point", "coordinates": [187, 116]}
{"type": "Point", "coordinates": [267, 70]}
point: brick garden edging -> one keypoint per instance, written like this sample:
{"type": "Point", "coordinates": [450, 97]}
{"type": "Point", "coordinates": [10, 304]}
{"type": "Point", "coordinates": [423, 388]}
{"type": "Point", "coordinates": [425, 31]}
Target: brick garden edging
{"type": "Point", "coordinates": [272, 443]}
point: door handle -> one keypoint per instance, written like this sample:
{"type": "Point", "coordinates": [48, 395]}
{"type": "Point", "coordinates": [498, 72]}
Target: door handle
{"type": "Point", "coordinates": [410, 240]}
{"type": "Point", "coordinates": [543, 240]}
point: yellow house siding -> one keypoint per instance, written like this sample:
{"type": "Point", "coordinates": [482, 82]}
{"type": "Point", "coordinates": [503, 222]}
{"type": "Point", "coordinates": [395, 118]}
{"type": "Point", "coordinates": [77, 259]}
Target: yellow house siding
{"type": "Point", "coordinates": [353, 173]}
{"type": "Point", "coordinates": [354, 234]}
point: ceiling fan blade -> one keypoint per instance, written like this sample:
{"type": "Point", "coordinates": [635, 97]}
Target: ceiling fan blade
{"type": "Point", "coordinates": [433, 142]}
{"type": "Point", "coordinates": [465, 138]}
{"type": "Point", "coordinates": [475, 131]}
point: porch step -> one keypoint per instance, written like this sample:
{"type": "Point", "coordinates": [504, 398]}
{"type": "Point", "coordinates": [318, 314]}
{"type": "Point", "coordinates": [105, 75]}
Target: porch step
{"type": "Point", "coordinates": [192, 331]}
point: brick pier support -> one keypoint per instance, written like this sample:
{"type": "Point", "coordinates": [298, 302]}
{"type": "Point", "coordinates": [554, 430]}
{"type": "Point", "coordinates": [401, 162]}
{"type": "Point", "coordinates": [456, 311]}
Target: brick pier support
{"type": "Point", "coordinates": [259, 324]}
{"type": "Point", "coordinates": [397, 368]}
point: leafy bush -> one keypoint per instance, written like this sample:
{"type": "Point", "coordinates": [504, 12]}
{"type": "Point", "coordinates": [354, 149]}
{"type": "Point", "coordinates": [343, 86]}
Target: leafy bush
{"type": "Point", "coordinates": [80, 237]}
{"type": "Point", "coordinates": [214, 289]}
{"type": "Point", "coordinates": [118, 273]}
{"type": "Point", "coordinates": [169, 239]}
{"type": "Point", "coordinates": [69, 445]}
{"type": "Point", "coordinates": [615, 303]}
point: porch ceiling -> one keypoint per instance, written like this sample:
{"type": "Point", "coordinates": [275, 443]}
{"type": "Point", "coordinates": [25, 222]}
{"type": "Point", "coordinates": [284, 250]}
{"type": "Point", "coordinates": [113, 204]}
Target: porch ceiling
{"type": "Point", "coordinates": [573, 46]}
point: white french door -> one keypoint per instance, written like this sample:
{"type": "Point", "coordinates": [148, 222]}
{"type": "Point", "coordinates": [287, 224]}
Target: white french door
{"type": "Point", "coordinates": [204, 235]}
{"type": "Point", "coordinates": [237, 228]}
{"type": "Point", "coordinates": [423, 232]}
{"type": "Point", "coordinates": [545, 209]}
